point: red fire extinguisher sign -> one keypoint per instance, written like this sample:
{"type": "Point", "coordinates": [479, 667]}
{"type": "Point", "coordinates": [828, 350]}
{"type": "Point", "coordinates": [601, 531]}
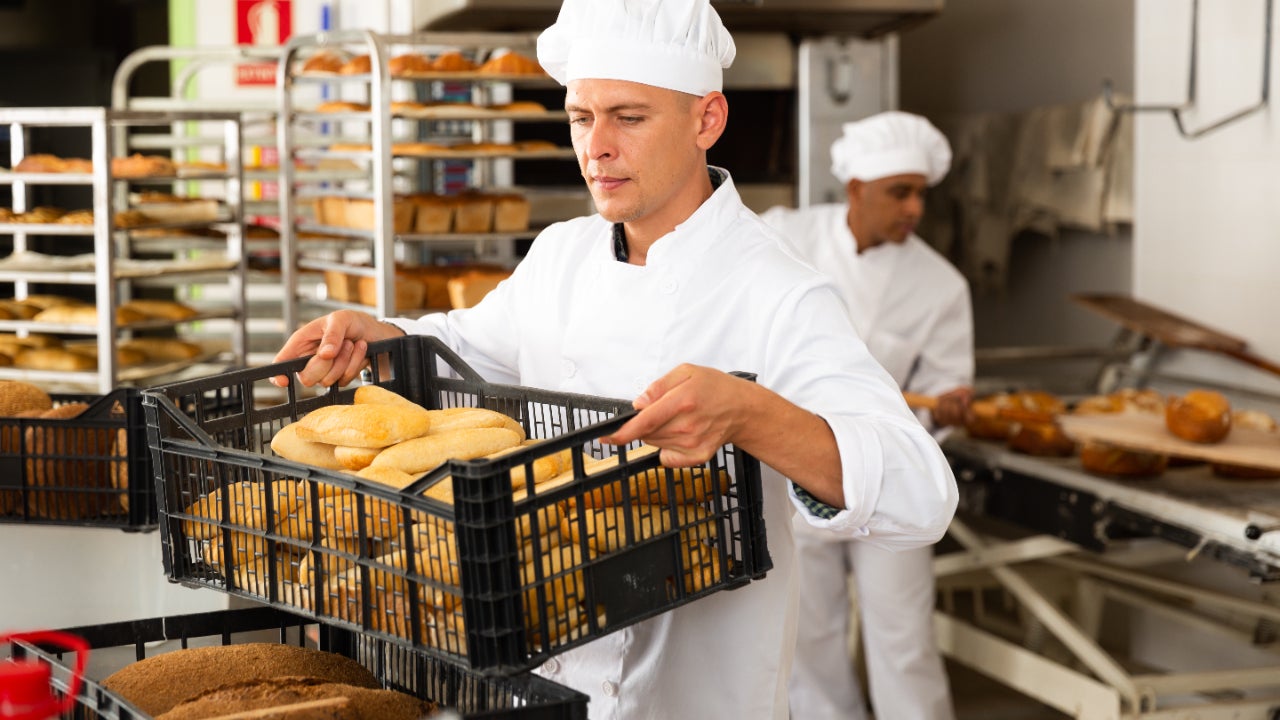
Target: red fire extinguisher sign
{"type": "Point", "coordinates": [264, 23]}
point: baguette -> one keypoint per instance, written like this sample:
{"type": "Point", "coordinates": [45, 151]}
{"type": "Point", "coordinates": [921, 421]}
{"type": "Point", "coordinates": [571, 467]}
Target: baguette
{"type": "Point", "coordinates": [54, 359]}
{"type": "Point", "coordinates": [421, 454]}
{"type": "Point", "coordinates": [162, 309]}
{"type": "Point", "coordinates": [366, 425]}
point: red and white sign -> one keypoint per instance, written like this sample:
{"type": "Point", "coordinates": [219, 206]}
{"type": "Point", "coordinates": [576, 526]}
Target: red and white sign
{"type": "Point", "coordinates": [266, 23]}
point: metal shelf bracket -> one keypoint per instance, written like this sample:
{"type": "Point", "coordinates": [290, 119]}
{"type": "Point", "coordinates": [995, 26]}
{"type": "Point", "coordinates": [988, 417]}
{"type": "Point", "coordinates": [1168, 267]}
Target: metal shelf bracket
{"type": "Point", "coordinates": [1177, 110]}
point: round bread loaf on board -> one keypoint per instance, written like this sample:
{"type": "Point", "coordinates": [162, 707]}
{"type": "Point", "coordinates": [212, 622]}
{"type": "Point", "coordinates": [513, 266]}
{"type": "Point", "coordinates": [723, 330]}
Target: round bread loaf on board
{"type": "Point", "coordinates": [158, 683]}
{"type": "Point", "coordinates": [1201, 416]}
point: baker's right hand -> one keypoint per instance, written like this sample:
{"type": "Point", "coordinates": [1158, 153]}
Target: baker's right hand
{"type": "Point", "coordinates": [337, 343]}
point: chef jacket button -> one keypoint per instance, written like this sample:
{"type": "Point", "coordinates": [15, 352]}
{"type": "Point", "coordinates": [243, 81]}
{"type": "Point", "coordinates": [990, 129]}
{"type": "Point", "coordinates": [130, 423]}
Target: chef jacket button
{"type": "Point", "coordinates": [610, 689]}
{"type": "Point", "coordinates": [570, 368]}
{"type": "Point", "coordinates": [668, 286]}
{"type": "Point", "coordinates": [551, 666]}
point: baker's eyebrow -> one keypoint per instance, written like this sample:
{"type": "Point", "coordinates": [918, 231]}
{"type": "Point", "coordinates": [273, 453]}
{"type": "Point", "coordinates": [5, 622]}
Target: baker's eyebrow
{"type": "Point", "coordinates": [622, 107]}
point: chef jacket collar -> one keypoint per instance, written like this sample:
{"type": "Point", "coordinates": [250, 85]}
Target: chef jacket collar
{"type": "Point", "coordinates": [621, 253]}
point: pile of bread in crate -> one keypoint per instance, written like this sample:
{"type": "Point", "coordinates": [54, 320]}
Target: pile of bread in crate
{"type": "Point", "coordinates": [363, 557]}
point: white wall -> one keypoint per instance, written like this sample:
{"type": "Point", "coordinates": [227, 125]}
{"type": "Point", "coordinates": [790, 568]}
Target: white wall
{"type": "Point", "coordinates": [1207, 216]}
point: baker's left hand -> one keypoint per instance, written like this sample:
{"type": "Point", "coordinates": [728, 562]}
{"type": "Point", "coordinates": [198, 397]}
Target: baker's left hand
{"type": "Point", "coordinates": [689, 412]}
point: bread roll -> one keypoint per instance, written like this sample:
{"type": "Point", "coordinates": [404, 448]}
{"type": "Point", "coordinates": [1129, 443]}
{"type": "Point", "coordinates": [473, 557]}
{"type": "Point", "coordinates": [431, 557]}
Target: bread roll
{"type": "Point", "coordinates": [1200, 416]}
{"type": "Point", "coordinates": [419, 455]}
{"type": "Point", "coordinates": [340, 515]}
{"type": "Point", "coordinates": [353, 703]}
{"type": "Point", "coordinates": [164, 349]}
{"type": "Point", "coordinates": [452, 61]}
{"type": "Point", "coordinates": [1105, 459]}
{"type": "Point", "coordinates": [378, 395]}
{"type": "Point", "coordinates": [357, 65]}
{"type": "Point", "coordinates": [40, 163]}
{"type": "Point", "coordinates": [691, 485]}
{"type": "Point", "coordinates": [162, 309]}
{"type": "Point", "coordinates": [157, 684]}
{"type": "Point", "coordinates": [86, 315]}
{"type": "Point", "coordinates": [246, 507]}
{"type": "Point", "coordinates": [289, 446]}
{"type": "Point", "coordinates": [125, 357]}
{"type": "Point", "coordinates": [511, 63]}
{"type": "Point", "coordinates": [450, 419]}
{"type": "Point", "coordinates": [137, 165]}
{"type": "Point", "coordinates": [354, 458]}
{"type": "Point", "coordinates": [604, 529]}
{"type": "Point", "coordinates": [409, 63]}
{"type": "Point", "coordinates": [365, 425]}
{"type": "Point", "coordinates": [45, 301]}
{"type": "Point", "coordinates": [1041, 439]}
{"type": "Point", "coordinates": [325, 61]}
{"type": "Point", "coordinates": [20, 309]}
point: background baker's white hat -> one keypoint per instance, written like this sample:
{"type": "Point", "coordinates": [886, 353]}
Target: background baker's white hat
{"type": "Point", "coordinates": [890, 143]}
{"type": "Point", "coordinates": [674, 44]}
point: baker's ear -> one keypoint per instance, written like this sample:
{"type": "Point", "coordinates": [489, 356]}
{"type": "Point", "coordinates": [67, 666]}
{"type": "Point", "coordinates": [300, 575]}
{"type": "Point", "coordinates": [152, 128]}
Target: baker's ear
{"type": "Point", "coordinates": [712, 111]}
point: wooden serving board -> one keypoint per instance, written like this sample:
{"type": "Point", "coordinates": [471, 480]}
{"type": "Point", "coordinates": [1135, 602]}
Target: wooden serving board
{"type": "Point", "coordinates": [1147, 432]}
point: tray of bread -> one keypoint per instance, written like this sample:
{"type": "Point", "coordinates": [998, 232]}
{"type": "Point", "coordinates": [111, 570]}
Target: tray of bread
{"type": "Point", "coordinates": [1132, 433]}
{"type": "Point", "coordinates": [263, 663]}
{"type": "Point", "coordinates": [480, 523]}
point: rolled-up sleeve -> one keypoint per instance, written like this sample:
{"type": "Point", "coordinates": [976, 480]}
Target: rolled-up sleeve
{"type": "Point", "coordinates": [899, 489]}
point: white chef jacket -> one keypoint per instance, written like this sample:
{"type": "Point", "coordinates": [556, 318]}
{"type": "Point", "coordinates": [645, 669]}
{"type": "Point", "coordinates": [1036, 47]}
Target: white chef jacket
{"type": "Point", "coordinates": [720, 290]}
{"type": "Point", "coordinates": [906, 301]}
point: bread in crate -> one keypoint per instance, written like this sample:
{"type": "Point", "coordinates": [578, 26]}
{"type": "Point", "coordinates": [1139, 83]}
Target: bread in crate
{"type": "Point", "coordinates": [388, 532]}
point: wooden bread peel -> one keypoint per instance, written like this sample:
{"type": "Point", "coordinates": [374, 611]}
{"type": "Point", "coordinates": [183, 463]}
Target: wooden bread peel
{"type": "Point", "coordinates": [1147, 432]}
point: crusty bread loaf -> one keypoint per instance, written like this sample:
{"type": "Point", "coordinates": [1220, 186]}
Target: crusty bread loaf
{"type": "Point", "coordinates": [355, 703]}
{"type": "Point", "coordinates": [462, 418]}
{"type": "Point", "coordinates": [510, 213]}
{"type": "Point", "coordinates": [372, 425]}
{"type": "Point", "coordinates": [421, 454]}
{"type": "Point", "coordinates": [17, 396]}
{"type": "Point", "coordinates": [138, 165]}
{"type": "Point", "coordinates": [159, 683]}
{"type": "Point", "coordinates": [1200, 416]}
{"type": "Point", "coordinates": [511, 63]}
{"type": "Point", "coordinates": [125, 357]}
{"type": "Point", "coordinates": [289, 446]}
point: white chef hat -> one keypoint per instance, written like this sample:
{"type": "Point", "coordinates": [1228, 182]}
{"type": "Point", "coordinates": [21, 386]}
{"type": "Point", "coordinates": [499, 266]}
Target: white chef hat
{"type": "Point", "coordinates": [674, 44]}
{"type": "Point", "coordinates": [890, 143]}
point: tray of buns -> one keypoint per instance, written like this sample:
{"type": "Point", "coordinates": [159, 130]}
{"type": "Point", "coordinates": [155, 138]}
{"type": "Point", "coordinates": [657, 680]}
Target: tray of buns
{"type": "Point", "coordinates": [481, 523]}
{"type": "Point", "coordinates": [264, 663]}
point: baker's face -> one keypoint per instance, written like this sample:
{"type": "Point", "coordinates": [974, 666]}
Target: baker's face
{"type": "Point", "coordinates": [886, 210]}
{"type": "Point", "coordinates": [638, 146]}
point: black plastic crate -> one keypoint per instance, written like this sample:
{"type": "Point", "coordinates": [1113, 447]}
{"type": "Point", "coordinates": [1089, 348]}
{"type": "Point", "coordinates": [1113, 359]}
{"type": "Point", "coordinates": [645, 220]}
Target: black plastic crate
{"type": "Point", "coordinates": [492, 581]}
{"type": "Point", "coordinates": [92, 470]}
{"type": "Point", "coordinates": [526, 697]}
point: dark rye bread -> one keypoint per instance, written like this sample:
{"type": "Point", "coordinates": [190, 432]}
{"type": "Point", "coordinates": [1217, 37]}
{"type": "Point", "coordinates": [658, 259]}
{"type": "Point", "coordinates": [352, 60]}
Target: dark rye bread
{"type": "Point", "coordinates": [158, 683]}
{"type": "Point", "coordinates": [362, 703]}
